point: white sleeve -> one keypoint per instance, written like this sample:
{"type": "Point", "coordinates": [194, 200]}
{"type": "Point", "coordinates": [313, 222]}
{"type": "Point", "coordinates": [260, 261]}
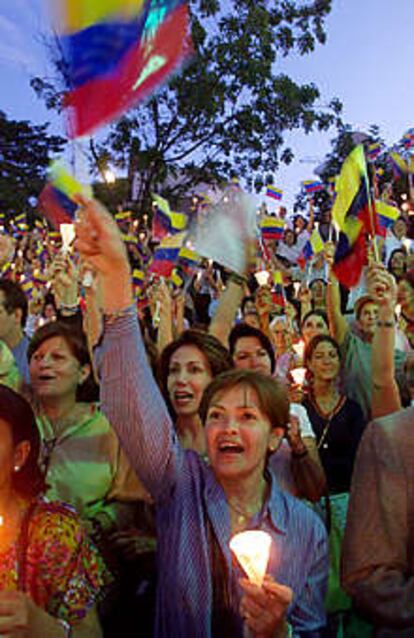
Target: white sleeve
{"type": "Point", "coordinates": [305, 425]}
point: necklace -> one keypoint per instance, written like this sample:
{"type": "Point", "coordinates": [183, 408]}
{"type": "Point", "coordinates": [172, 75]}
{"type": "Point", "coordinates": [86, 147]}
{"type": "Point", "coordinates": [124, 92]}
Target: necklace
{"type": "Point", "coordinates": [244, 514]}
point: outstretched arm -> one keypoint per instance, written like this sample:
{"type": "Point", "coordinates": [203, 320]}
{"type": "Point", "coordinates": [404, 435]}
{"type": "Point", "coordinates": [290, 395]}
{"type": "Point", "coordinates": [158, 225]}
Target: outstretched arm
{"type": "Point", "coordinates": [130, 397]}
{"type": "Point", "coordinates": [385, 392]}
{"type": "Point", "coordinates": [337, 322]}
{"type": "Point", "coordinates": [225, 315]}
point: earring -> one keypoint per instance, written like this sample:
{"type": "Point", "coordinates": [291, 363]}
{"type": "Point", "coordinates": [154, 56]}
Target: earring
{"type": "Point", "coordinates": [16, 468]}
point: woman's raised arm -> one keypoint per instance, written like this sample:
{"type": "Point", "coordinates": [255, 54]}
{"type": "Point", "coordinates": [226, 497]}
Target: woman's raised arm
{"type": "Point", "coordinates": [130, 396]}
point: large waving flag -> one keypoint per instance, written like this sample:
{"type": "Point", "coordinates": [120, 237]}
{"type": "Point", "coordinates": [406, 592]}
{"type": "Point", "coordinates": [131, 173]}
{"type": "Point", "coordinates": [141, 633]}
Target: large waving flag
{"type": "Point", "coordinates": [272, 227]}
{"type": "Point", "coordinates": [354, 215]}
{"type": "Point", "coordinates": [118, 52]}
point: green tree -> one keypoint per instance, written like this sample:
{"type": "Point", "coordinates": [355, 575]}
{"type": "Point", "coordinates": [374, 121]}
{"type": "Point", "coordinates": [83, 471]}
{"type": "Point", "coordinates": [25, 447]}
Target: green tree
{"type": "Point", "coordinates": [226, 112]}
{"type": "Point", "coordinates": [25, 153]}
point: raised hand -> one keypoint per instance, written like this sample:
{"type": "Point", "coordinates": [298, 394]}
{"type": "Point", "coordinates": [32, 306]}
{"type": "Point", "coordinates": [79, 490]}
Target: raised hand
{"type": "Point", "coordinates": [99, 243]}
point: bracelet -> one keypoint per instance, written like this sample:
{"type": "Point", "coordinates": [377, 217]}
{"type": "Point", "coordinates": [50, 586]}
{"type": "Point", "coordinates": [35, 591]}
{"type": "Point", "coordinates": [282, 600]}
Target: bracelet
{"type": "Point", "coordinates": [111, 317]}
{"type": "Point", "coordinates": [386, 324]}
{"type": "Point", "coordinates": [69, 307]}
{"type": "Point", "coordinates": [299, 455]}
{"type": "Point", "coordinates": [65, 626]}
{"type": "Point", "coordinates": [237, 279]}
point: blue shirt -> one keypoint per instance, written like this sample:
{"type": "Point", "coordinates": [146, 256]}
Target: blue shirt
{"type": "Point", "coordinates": [190, 500]}
{"type": "Point", "coordinates": [20, 355]}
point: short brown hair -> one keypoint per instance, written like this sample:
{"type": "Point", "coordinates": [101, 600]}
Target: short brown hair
{"type": "Point", "coordinates": [88, 391]}
{"type": "Point", "coordinates": [273, 399]}
{"type": "Point", "coordinates": [360, 304]}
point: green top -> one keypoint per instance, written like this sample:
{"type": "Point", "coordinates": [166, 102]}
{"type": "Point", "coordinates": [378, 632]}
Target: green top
{"type": "Point", "coordinates": [86, 467]}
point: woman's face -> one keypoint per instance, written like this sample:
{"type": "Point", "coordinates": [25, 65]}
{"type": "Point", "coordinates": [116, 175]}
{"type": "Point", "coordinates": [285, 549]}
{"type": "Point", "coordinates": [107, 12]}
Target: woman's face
{"type": "Point", "coordinates": [289, 237]}
{"type": "Point", "coordinates": [398, 263]}
{"type": "Point", "coordinates": [54, 371]}
{"type": "Point", "coordinates": [368, 317]}
{"type": "Point", "coordinates": [318, 290]}
{"type": "Point", "coordinates": [250, 355]}
{"type": "Point", "coordinates": [400, 228]}
{"type": "Point", "coordinates": [324, 363]}
{"type": "Point", "coordinates": [405, 294]}
{"type": "Point", "coordinates": [314, 325]}
{"type": "Point", "coordinates": [279, 332]}
{"type": "Point", "coordinates": [239, 434]}
{"type": "Point", "coordinates": [188, 375]}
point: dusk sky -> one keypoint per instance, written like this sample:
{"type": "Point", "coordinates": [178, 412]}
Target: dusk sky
{"type": "Point", "coordinates": [366, 63]}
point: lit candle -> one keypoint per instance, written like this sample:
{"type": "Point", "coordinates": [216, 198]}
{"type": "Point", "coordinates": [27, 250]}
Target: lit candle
{"type": "Point", "coordinates": [262, 277]}
{"type": "Point", "coordinates": [298, 375]}
{"type": "Point", "coordinates": [67, 232]}
{"type": "Point", "coordinates": [252, 550]}
{"type": "Point", "coordinates": [299, 348]}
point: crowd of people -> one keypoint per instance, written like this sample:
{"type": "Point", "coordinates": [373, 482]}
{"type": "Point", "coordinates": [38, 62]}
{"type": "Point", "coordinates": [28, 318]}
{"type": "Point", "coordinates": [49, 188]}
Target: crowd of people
{"type": "Point", "coordinates": [145, 420]}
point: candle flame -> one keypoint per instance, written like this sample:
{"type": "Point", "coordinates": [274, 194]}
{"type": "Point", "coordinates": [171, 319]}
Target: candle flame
{"type": "Point", "coordinates": [252, 550]}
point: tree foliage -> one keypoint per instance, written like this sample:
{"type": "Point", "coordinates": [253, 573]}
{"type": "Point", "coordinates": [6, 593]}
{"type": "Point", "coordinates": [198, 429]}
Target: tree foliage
{"type": "Point", "coordinates": [25, 152]}
{"type": "Point", "coordinates": [226, 112]}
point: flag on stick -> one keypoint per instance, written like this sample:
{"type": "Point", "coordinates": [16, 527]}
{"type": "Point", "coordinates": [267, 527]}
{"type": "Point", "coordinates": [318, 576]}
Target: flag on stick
{"type": "Point", "coordinates": [354, 215]}
{"type": "Point", "coordinates": [57, 198]}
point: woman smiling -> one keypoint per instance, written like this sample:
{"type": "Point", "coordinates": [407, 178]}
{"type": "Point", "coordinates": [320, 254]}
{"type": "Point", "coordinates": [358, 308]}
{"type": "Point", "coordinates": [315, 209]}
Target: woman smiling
{"type": "Point", "coordinates": [199, 505]}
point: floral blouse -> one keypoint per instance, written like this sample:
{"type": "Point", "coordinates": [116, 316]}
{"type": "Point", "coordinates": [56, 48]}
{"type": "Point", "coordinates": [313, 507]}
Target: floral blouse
{"type": "Point", "coordinates": [64, 572]}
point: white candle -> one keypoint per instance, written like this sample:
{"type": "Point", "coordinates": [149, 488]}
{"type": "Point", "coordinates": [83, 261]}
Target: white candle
{"type": "Point", "coordinates": [298, 375]}
{"type": "Point", "coordinates": [252, 549]}
{"type": "Point", "coordinates": [262, 277]}
{"type": "Point", "coordinates": [67, 232]}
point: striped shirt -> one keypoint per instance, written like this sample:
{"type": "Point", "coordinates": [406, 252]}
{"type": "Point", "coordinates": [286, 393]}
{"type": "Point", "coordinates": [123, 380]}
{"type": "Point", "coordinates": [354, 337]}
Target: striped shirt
{"type": "Point", "coordinates": [190, 501]}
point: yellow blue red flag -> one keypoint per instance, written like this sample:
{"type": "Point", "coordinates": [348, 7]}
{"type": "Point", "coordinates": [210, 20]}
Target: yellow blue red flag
{"type": "Point", "coordinates": [117, 52]}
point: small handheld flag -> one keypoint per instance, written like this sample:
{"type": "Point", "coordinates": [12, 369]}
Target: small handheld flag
{"type": "Point", "coordinates": [274, 193]}
{"type": "Point", "coordinates": [374, 151]}
{"type": "Point", "coordinates": [312, 186]}
{"type": "Point", "coordinates": [57, 198]}
{"type": "Point", "coordinates": [272, 228]}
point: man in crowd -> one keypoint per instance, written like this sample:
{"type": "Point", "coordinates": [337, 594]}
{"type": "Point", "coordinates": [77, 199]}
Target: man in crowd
{"type": "Point", "coordinates": [13, 315]}
{"type": "Point", "coordinates": [378, 551]}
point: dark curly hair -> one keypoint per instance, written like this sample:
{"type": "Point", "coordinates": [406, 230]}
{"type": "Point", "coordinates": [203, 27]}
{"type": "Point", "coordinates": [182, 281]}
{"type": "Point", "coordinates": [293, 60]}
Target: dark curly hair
{"type": "Point", "coordinates": [244, 330]}
{"type": "Point", "coordinates": [17, 413]}
{"type": "Point", "coordinates": [218, 357]}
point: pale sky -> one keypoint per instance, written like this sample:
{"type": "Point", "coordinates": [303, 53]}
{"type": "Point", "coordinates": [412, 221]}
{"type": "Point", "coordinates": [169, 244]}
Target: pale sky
{"type": "Point", "coordinates": [366, 63]}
